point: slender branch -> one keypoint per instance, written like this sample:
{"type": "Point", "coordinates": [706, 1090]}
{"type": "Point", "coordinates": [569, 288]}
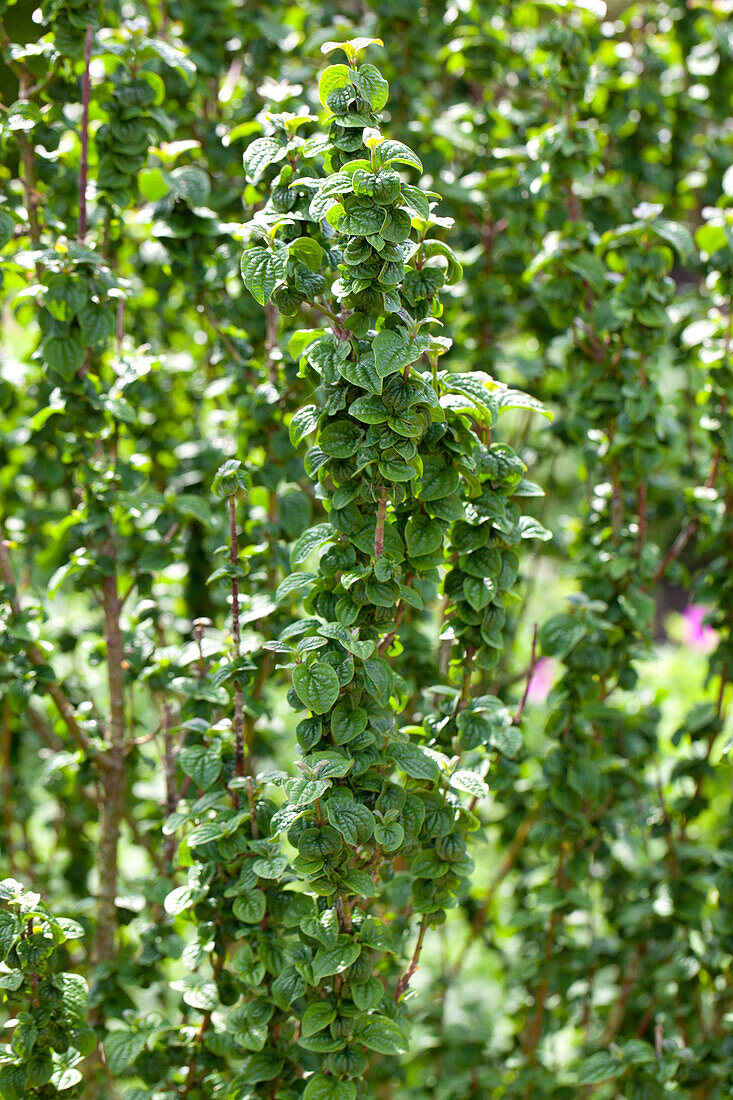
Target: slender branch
{"type": "Point", "coordinates": [28, 160]}
{"type": "Point", "coordinates": [6, 781]}
{"type": "Point", "coordinates": [272, 319]}
{"type": "Point", "coordinates": [114, 778]}
{"type": "Point", "coordinates": [530, 674]}
{"type": "Point", "coordinates": [534, 1030]}
{"type": "Point", "coordinates": [86, 91]}
{"type": "Point", "coordinates": [618, 1009]}
{"type": "Point", "coordinates": [223, 336]}
{"type": "Point", "coordinates": [53, 688]}
{"type": "Point", "coordinates": [379, 529]}
{"type": "Point", "coordinates": [386, 642]}
{"type": "Point", "coordinates": [687, 532]}
{"type": "Point", "coordinates": [191, 1077]}
{"type": "Point", "coordinates": [510, 859]}
{"type": "Point", "coordinates": [404, 981]}
{"type": "Point", "coordinates": [641, 509]}
{"type": "Point", "coordinates": [466, 683]}
{"type": "Point", "coordinates": [238, 701]}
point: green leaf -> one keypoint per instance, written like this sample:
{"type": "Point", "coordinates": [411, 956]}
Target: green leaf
{"type": "Point", "coordinates": [414, 761]}
{"type": "Point", "coordinates": [270, 866]}
{"type": "Point", "coordinates": [363, 221]}
{"type": "Point", "coordinates": [339, 633]}
{"type": "Point", "coordinates": [479, 388]}
{"type": "Point", "coordinates": [340, 438]}
{"type": "Point", "coordinates": [507, 739]}
{"type": "Point", "coordinates": [363, 373]}
{"type": "Point", "coordinates": [454, 271]}
{"type": "Point", "coordinates": [312, 539]}
{"type": "Point", "coordinates": [389, 836]}
{"type": "Point", "coordinates": [516, 399]}
{"type": "Point", "coordinates": [330, 764]}
{"type": "Point", "coordinates": [250, 906]}
{"type": "Point", "coordinates": [531, 528]}
{"type": "Point", "coordinates": [186, 504]}
{"type": "Point", "coordinates": [334, 960]}
{"type": "Point", "coordinates": [316, 1017]}
{"type": "Point", "coordinates": [262, 271]}
{"type": "Point", "coordinates": [559, 634]}
{"type": "Point", "coordinates": [202, 764]}
{"type": "Point", "coordinates": [121, 1049]}
{"type": "Point", "coordinates": [302, 792]}
{"type": "Point", "coordinates": [327, 355]}
{"type": "Point", "coordinates": [391, 151]}
{"type": "Point", "coordinates": [64, 297]}
{"type": "Point", "coordinates": [10, 928]}
{"type": "Point", "coordinates": [7, 228]}
{"type": "Point", "coordinates": [172, 57]}
{"type": "Point", "coordinates": [332, 78]}
{"type": "Point", "coordinates": [306, 251]}
{"type": "Point", "coordinates": [396, 469]}
{"type": "Point", "coordinates": [317, 686]}
{"type": "Point", "coordinates": [416, 200]}
{"type": "Point", "coordinates": [438, 480]}
{"type": "Point", "coordinates": [64, 354]}
{"type": "Point", "coordinates": [303, 422]}
{"type": "Point", "coordinates": [371, 85]}
{"type": "Point", "coordinates": [370, 410]}
{"type": "Point", "coordinates": [190, 184]}
{"type": "Point", "coordinates": [347, 723]}
{"type": "Point", "coordinates": [73, 990]}
{"type": "Point", "coordinates": [322, 1087]}
{"type": "Point", "coordinates": [67, 1079]}
{"type": "Point", "coordinates": [354, 821]}
{"type": "Point", "coordinates": [469, 782]}
{"type": "Point", "coordinates": [675, 234]}
{"type": "Point", "coordinates": [395, 229]}
{"type": "Point", "coordinates": [340, 183]}
{"type": "Point", "coordinates": [709, 238]}
{"type": "Point", "coordinates": [297, 582]}
{"type": "Point", "coordinates": [393, 351]}
{"type": "Point", "coordinates": [181, 899]}
{"type": "Point", "coordinates": [154, 183]}
{"type": "Point", "coordinates": [263, 1066]}
{"type": "Point", "coordinates": [381, 1034]}
{"type": "Point", "coordinates": [423, 535]}
{"type": "Point", "coordinates": [260, 154]}
{"type": "Point", "coordinates": [599, 1067]}
{"type": "Point", "coordinates": [351, 47]}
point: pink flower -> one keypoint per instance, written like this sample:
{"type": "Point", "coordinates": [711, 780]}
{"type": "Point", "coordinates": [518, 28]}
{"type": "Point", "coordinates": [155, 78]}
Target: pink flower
{"type": "Point", "coordinates": [696, 634]}
{"type": "Point", "coordinates": [543, 676]}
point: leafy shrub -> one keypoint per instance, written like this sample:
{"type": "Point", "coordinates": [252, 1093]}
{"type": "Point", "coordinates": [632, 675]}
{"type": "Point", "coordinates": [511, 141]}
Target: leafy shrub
{"type": "Point", "coordinates": [361, 767]}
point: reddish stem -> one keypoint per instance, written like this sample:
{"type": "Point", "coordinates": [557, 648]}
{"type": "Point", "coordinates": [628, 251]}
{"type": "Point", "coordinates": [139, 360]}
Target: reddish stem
{"type": "Point", "coordinates": [379, 531]}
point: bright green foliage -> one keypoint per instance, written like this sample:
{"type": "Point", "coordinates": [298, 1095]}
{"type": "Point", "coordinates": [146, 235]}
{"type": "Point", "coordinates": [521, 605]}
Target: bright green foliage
{"type": "Point", "coordinates": [280, 607]}
{"type": "Point", "coordinates": [46, 1005]}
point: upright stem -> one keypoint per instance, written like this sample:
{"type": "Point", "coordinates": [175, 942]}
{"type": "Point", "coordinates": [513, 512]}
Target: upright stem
{"type": "Point", "coordinates": [28, 160]}
{"type": "Point", "coordinates": [272, 321]}
{"type": "Point", "coordinates": [530, 674]}
{"type": "Point", "coordinates": [404, 981]}
{"type": "Point", "coordinates": [113, 776]}
{"type": "Point", "coordinates": [6, 780]}
{"type": "Point", "coordinates": [86, 89]}
{"type": "Point", "coordinates": [238, 701]}
{"type": "Point", "coordinates": [534, 1029]}
{"type": "Point", "coordinates": [379, 530]}
{"type": "Point", "coordinates": [37, 658]}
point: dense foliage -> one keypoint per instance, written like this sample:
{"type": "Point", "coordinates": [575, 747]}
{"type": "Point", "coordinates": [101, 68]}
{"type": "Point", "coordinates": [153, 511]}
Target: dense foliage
{"type": "Point", "coordinates": [366, 550]}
